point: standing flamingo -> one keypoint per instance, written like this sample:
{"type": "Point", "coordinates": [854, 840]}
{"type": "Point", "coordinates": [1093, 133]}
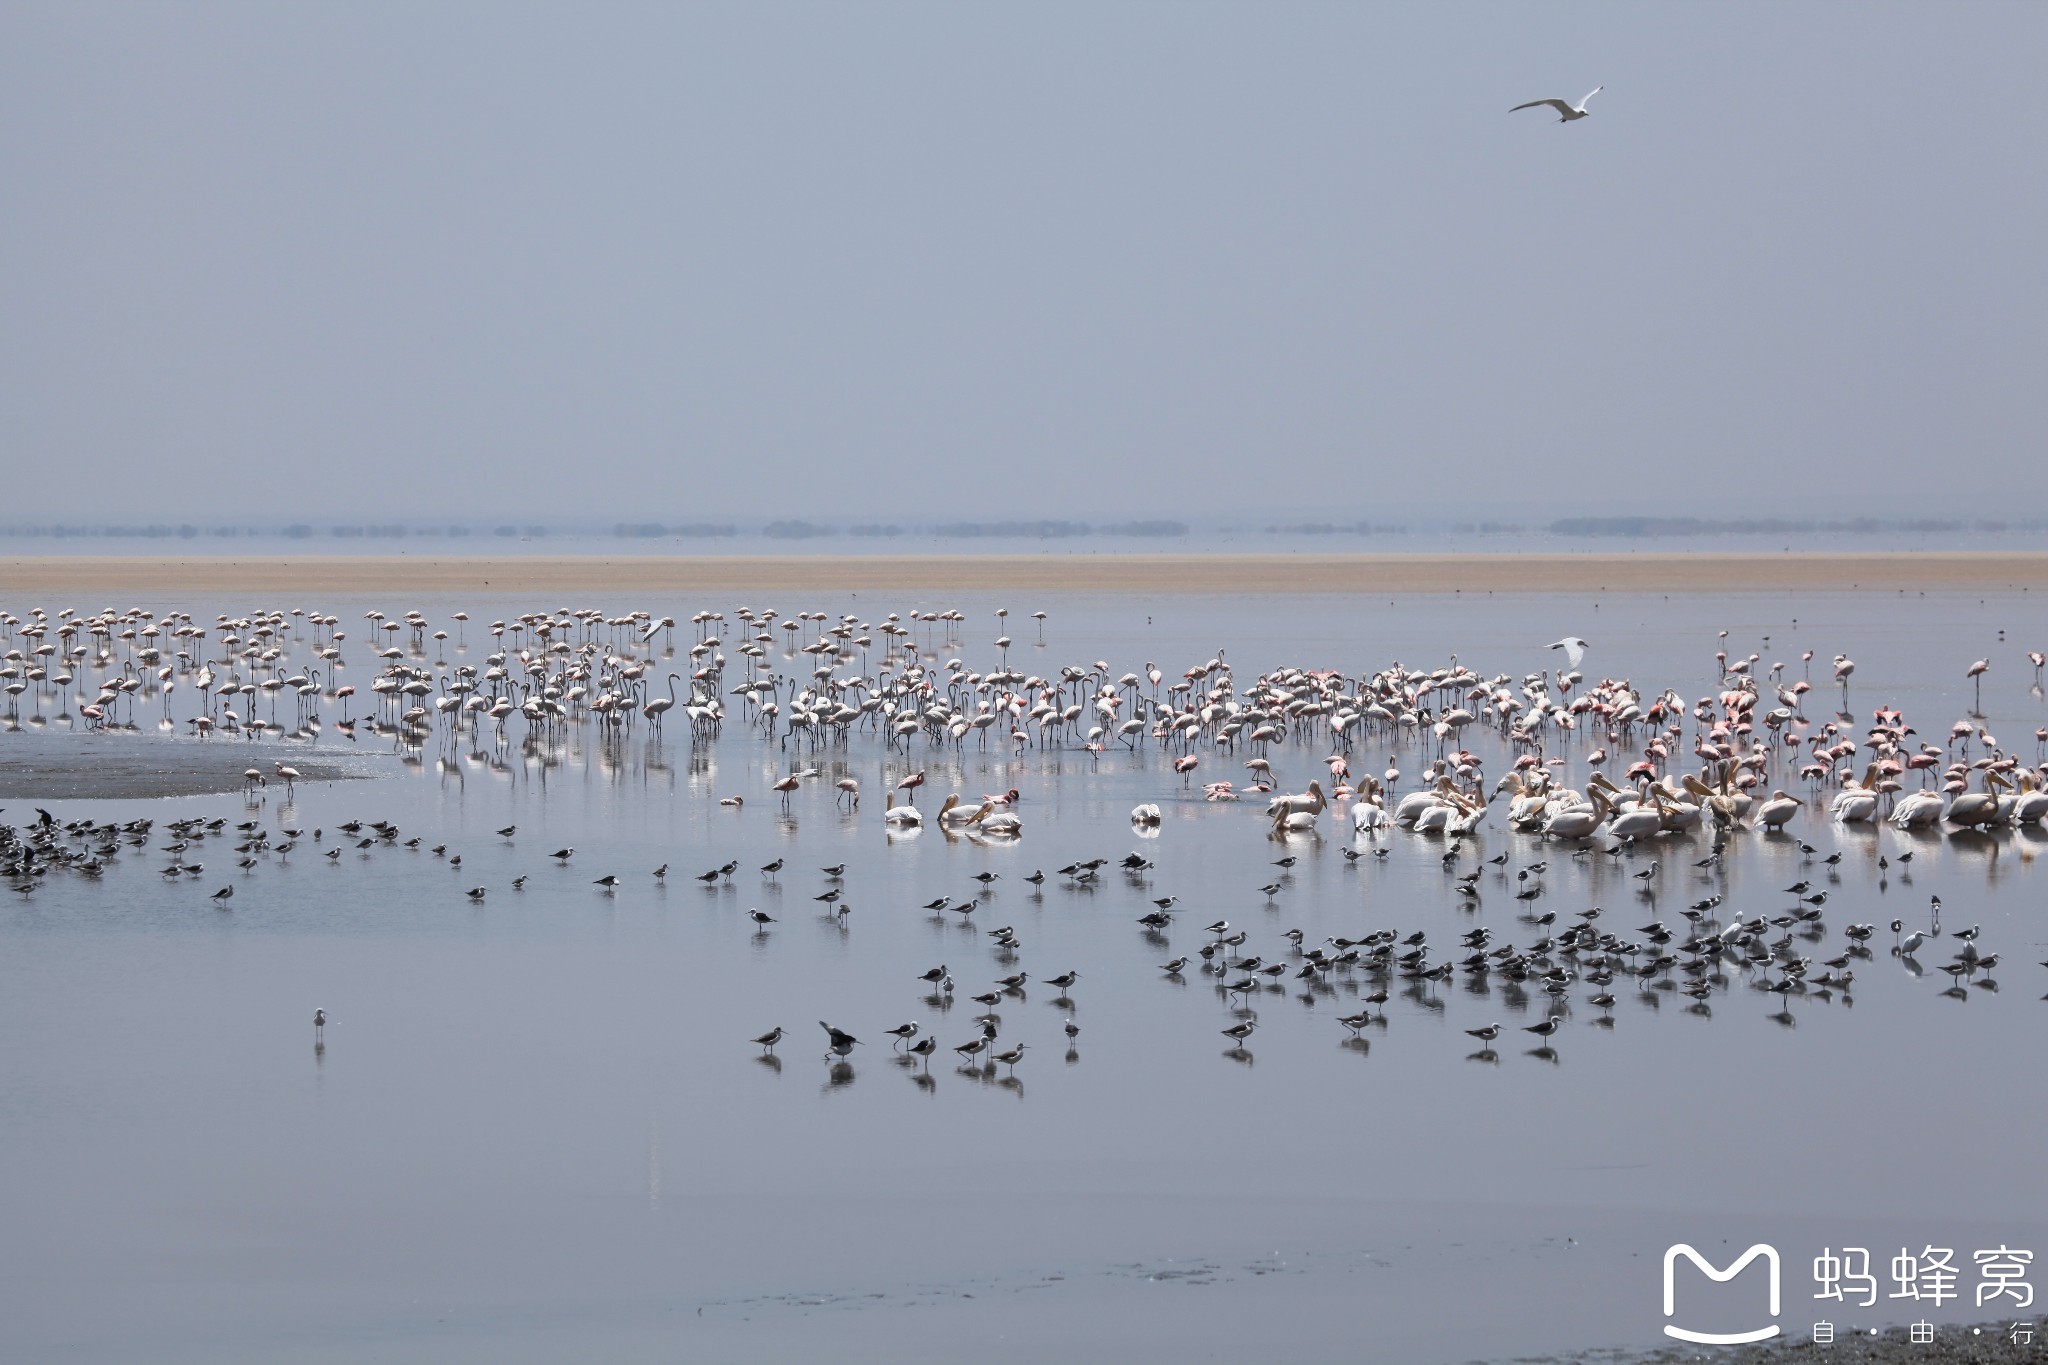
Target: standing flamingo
{"type": "Point", "coordinates": [1976, 675]}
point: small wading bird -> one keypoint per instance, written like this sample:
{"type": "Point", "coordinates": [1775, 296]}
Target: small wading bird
{"type": "Point", "coordinates": [1566, 113]}
{"type": "Point", "coordinates": [841, 1041]}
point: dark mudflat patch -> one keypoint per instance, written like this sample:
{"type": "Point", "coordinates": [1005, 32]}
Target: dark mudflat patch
{"type": "Point", "coordinates": [60, 766]}
{"type": "Point", "coordinates": [1983, 1344]}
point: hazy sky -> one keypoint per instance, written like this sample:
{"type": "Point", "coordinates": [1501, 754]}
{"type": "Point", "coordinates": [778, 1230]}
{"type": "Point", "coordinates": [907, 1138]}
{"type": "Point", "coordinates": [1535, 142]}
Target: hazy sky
{"type": "Point", "coordinates": [1084, 260]}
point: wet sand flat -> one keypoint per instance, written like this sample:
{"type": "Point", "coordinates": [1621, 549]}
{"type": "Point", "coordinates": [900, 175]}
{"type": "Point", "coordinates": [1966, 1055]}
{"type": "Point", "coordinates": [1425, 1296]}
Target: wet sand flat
{"type": "Point", "coordinates": [69, 766]}
{"type": "Point", "coordinates": [89, 578]}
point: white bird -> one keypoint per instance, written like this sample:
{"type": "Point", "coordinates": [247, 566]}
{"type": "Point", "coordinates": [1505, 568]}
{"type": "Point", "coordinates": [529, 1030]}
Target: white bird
{"type": "Point", "coordinates": [1566, 113]}
{"type": "Point", "coordinates": [1574, 648]}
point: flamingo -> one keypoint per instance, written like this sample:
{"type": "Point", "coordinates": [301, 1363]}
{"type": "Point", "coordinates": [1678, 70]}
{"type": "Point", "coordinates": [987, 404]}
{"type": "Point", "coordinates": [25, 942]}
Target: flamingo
{"type": "Point", "coordinates": [660, 706]}
{"type": "Point", "coordinates": [1975, 674]}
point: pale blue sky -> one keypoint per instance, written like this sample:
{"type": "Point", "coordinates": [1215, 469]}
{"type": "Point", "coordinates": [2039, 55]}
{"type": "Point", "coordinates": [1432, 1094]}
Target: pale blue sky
{"type": "Point", "coordinates": [1051, 259]}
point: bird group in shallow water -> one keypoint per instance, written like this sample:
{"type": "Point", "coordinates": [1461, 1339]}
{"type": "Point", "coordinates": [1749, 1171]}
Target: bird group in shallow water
{"type": "Point", "coordinates": [1758, 769]}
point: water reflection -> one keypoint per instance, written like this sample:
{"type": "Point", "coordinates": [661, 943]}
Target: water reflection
{"type": "Point", "coordinates": [655, 798]}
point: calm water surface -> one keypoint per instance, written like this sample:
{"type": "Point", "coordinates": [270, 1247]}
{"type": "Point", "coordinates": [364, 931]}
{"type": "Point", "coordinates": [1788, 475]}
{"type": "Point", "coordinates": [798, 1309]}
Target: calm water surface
{"type": "Point", "coordinates": [537, 1129]}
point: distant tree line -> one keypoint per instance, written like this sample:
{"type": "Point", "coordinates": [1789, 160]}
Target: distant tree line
{"type": "Point", "coordinates": [1570, 528]}
{"type": "Point", "coordinates": [1770, 526]}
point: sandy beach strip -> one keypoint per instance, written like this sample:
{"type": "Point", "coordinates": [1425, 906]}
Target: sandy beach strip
{"type": "Point", "coordinates": [89, 582]}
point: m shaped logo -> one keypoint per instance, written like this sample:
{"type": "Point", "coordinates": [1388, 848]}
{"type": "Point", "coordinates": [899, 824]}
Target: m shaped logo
{"type": "Point", "coordinates": [1671, 1255]}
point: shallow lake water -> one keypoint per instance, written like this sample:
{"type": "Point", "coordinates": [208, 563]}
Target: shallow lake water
{"type": "Point", "coordinates": [536, 1129]}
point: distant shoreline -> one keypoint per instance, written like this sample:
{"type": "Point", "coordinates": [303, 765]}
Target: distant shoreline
{"type": "Point", "coordinates": [97, 577]}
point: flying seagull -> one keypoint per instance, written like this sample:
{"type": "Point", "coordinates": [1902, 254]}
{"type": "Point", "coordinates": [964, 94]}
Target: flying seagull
{"type": "Point", "coordinates": [1574, 649]}
{"type": "Point", "coordinates": [1565, 112]}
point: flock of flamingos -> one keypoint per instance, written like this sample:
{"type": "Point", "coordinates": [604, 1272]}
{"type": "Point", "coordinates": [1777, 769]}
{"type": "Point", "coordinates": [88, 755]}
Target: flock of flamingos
{"type": "Point", "coordinates": [1751, 742]}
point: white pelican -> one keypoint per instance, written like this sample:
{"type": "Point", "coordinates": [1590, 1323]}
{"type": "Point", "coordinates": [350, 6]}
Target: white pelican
{"type": "Point", "coordinates": [1411, 806]}
{"type": "Point", "coordinates": [1311, 803]}
{"type": "Point", "coordinates": [1003, 824]}
{"type": "Point", "coordinates": [1675, 815]}
{"type": "Point", "coordinates": [1971, 810]}
{"type": "Point", "coordinates": [1572, 822]}
{"type": "Point", "coordinates": [1917, 811]}
{"type": "Point", "coordinates": [1777, 812]}
{"type": "Point", "coordinates": [1856, 802]}
{"type": "Point", "coordinates": [1635, 824]}
{"type": "Point", "coordinates": [953, 814]}
{"type": "Point", "coordinates": [2031, 804]}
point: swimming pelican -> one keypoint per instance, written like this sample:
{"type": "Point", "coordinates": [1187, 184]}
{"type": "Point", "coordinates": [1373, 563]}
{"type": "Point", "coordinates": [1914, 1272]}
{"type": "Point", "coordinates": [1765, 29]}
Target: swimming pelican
{"type": "Point", "coordinates": [1777, 812]}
